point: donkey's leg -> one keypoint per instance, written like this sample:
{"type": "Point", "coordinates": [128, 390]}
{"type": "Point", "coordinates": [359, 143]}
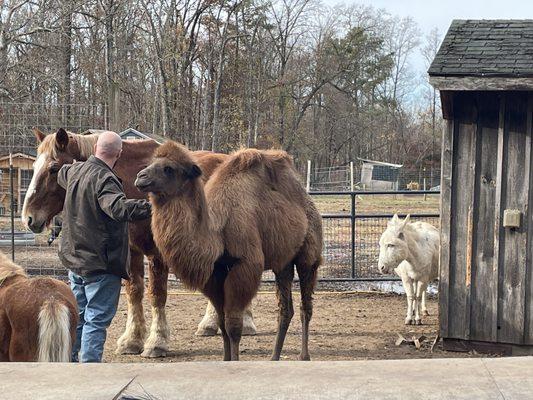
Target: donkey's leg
{"type": "Point", "coordinates": [285, 307]}
{"type": "Point", "coordinates": [420, 289]}
{"type": "Point", "coordinates": [410, 293]}
{"type": "Point", "coordinates": [307, 274]}
{"type": "Point", "coordinates": [424, 308]}
{"type": "Point", "coordinates": [131, 341]}
{"type": "Point", "coordinates": [157, 343]}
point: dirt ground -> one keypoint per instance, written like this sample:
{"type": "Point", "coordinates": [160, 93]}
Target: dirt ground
{"type": "Point", "coordinates": [345, 326]}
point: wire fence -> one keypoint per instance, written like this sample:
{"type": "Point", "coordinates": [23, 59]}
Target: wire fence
{"type": "Point", "coordinates": [353, 220]}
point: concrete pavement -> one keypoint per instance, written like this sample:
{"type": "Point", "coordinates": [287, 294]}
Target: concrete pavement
{"type": "Point", "coordinates": [489, 378]}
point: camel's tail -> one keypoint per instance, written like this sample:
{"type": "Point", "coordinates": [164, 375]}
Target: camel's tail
{"type": "Point", "coordinates": [54, 333]}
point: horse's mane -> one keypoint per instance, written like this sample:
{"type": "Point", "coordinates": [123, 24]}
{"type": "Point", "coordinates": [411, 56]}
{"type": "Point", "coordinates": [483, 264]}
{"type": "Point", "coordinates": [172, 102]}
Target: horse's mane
{"type": "Point", "coordinates": [85, 144]}
{"type": "Point", "coordinates": [8, 268]}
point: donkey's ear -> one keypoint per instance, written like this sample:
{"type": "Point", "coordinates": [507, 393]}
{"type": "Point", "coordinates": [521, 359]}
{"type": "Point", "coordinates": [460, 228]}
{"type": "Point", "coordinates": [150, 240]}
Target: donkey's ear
{"type": "Point", "coordinates": [394, 220]}
{"type": "Point", "coordinates": [406, 220]}
{"type": "Point", "coordinates": [62, 138]}
{"type": "Point", "coordinates": [38, 134]}
{"type": "Point", "coordinates": [193, 171]}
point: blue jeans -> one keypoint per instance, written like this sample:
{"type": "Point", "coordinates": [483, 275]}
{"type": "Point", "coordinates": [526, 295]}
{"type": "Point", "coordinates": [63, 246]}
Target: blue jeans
{"type": "Point", "coordinates": [97, 298]}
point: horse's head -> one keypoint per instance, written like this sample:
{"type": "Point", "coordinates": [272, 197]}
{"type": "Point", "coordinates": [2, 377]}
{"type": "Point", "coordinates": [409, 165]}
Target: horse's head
{"type": "Point", "coordinates": [45, 197]}
{"type": "Point", "coordinates": [392, 245]}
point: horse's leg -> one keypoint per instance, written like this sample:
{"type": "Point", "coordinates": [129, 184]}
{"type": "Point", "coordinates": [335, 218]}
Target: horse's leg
{"type": "Point", "coordinates": [285, 308]}
{"type": "Point", "coordinates": [208, 326]}
{"type": "Point", "coordinates": [157, 343]}
{"type": "Point", "coordinates": [240, 287]}
{"type": "Point", "coordinates": [131, 341]}
{"type": "Point", "coordinates": [307, 275]}
{"type": "Point", "coordinates": [409, 292]}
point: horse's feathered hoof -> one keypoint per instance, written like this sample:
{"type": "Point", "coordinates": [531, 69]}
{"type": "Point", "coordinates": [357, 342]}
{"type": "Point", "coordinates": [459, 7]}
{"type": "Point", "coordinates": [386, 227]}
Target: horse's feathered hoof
{"type": "Point", "coordinates": [207, 331]}
{"type": "Point", "coordinates": [129, 348]}
{"type": "Point", "coordinates": [156, 352]}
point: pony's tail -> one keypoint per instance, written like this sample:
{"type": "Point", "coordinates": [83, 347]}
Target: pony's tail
{"type": "Point", "coordinates": [54, 333]}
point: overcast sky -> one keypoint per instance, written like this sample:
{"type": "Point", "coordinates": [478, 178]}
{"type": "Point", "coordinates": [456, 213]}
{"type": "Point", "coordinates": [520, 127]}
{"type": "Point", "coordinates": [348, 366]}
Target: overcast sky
{"type": "Point", "coordinates": [429, 13]}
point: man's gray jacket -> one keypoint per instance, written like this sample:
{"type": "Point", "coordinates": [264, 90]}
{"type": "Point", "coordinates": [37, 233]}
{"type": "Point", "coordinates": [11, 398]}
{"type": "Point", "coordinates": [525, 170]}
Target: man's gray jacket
{"type": "Point", "coordinates": [95, 219]}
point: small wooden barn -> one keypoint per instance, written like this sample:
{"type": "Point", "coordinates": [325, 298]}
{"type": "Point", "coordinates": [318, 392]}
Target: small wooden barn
{"type": "Point", "coordinates": [484, 71]}
{"type": "Point", "coordinates": [22, 174]}
{"type": "Point", "coordinates": [379, 175]}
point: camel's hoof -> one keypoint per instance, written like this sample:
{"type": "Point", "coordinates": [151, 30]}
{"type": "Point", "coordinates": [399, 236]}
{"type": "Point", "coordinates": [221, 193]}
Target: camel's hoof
{"type": "Point", "coordinates": [207, 331]}
{"type": "Point", "coordinates": [133, 347]}
{"type": "Point", "coordinates": [408, 321]}
{"type": "Point", "coordinates": [426, 313]}
{"type": "Point", "coordinates": [305, 357]}
{"type": "Point", "coordinates": [418, 322]}
{"type": "Point", "coordinates": [156, 352]}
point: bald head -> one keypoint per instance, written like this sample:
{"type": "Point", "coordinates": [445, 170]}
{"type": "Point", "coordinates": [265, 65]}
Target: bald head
{"type": "Point", "coordinates": [108, 147]}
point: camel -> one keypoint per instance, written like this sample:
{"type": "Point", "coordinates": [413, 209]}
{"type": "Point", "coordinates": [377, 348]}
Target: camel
{"type": "Point", "coordinates": [253, 214]}
{"type": "Point", "coordinates": [412, 250]}
{"type": "Point", "coordinates": [45, 200]}
{"type": "Point", "coordinates": [38, 316]}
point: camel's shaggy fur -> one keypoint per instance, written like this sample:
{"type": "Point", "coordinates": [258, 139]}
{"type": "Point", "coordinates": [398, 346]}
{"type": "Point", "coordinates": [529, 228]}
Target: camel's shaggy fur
{"type": "Point", "coordinates": [412, 250]}
{"type": "Point", "coordinates": [252, 214]}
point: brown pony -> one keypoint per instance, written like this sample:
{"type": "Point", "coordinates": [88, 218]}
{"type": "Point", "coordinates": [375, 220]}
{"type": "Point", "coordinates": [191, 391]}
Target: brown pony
{"type": "Point", "coordinates": [45, 199]}
{"type": "Point", "coordinates": [38, 316]}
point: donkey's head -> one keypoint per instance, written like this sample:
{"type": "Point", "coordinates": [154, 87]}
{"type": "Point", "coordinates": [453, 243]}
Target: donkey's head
{"type": "Point", "coordinates": [171, 172]}
{"type": "Point", "coordinates": [392, 245]}
{"type": "Point", "coordinates": [45, 197]}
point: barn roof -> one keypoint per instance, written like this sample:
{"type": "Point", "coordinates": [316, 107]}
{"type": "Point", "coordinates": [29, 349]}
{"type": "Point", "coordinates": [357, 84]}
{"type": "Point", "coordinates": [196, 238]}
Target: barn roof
{"type": "Point", "coordinates": [385, 164]}
{"type": "Point", "coordinates": [486, 48]}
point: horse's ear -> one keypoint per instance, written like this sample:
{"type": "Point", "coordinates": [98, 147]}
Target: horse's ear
{"type": "Point", "coordinates": [62, 138]}
{"type": "Point", "coordinates": [38, 134]}
{"type": "Point", "coordinates": [194, 171]}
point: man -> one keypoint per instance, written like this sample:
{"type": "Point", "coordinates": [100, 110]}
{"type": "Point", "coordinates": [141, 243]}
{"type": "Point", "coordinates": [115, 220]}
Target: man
{"type": "Point", "coordinates": [94, 241]}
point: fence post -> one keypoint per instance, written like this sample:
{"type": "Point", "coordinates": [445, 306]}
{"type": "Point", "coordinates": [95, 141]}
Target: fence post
{"type": "Point", "coordinates": [352, 219]}
{"type": "Point", "coordinates": [308, 183]}
{"type": "Point", "coordinates": [12, 194]}
{"type": "Point", "coordinates": [351, 176]}
{"type": "Point", "coordinates": [425, 195]}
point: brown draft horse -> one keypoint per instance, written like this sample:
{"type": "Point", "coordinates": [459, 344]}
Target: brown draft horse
{"type": "Point", "coordinates": [38, 316]}
{"type": "Point", "coordinates": [45, 199]}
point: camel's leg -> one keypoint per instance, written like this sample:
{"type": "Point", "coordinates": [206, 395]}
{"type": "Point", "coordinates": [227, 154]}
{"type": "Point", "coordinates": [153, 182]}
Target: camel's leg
{"type": "Point", "coordinates": [240, 287]}
{"type": "Point", "coordinates": [221, 321]}
{"type": "Point", "coordinates": [408, 286]}
{"type": "Point", "coordinates": [420, 289]}
{"type": "Point", "coordinates": [285, 307]}
{"type": "Point", "coordinates": [307, 275]}
{"type": "Point", "coordinates": [131, 341]}
{"type": "Point", "coordinates": [424, 308]}
{"type": "Point", "coordinates": [5, 336]}
{"type": "Point", "coordinates": [157, 343]}
{"type": "Point", "coordinates": [208, 326]}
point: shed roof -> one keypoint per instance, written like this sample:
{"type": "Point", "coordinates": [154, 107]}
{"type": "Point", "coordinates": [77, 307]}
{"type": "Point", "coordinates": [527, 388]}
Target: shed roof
{"type": "Point", "coordinates": [485, 48]}
{"type": "Point", "coordinates": [159, 139]}
{"type": "Point", "coordinates": [385, 164]}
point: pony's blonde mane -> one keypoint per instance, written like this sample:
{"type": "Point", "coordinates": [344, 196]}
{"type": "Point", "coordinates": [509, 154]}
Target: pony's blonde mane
{"type": "Point", "coordinates": [8, 268]}
{"type": "Point", "coordinates": [85, 144]}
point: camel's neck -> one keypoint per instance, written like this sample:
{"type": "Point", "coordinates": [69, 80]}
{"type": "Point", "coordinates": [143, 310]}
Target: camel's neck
{"type": "Point", "coordinates": [184, 234]}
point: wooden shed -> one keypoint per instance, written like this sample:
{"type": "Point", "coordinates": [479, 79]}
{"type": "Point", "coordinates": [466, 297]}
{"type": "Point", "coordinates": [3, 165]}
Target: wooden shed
{"type": "Point", "coordinates": [22, 174]}
{"type": "Point", "coordinates": [484, 71]}
{"type": "Point", "coordinates": [379, 175]}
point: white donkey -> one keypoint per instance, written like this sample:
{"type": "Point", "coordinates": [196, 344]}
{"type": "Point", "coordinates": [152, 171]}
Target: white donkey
{"type": "Point", "coordinates": [412, 250]}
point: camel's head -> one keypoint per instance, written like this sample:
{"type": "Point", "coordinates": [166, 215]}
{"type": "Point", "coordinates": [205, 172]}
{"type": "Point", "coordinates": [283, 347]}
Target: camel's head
{"type": "Point", "coordinates": [171, 172]}
{"type": "Point", "coordinates": [392, 245]}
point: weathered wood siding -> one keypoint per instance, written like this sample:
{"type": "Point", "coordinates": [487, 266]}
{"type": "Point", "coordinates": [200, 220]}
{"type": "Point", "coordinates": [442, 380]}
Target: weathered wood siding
{"type": "Point", "coordinates": [486, 270]}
